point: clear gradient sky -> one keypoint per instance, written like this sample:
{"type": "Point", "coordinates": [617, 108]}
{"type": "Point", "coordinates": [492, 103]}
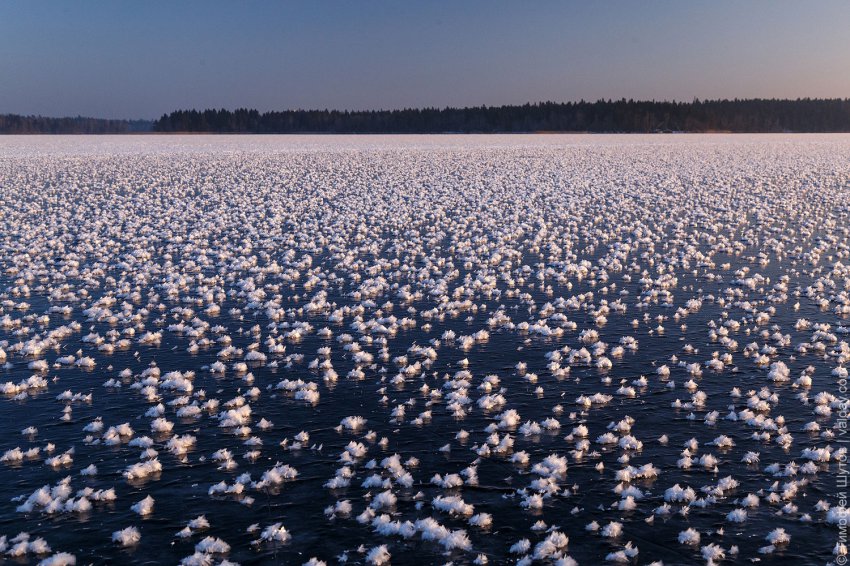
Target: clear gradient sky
{"type": "Point", "coordinates": [123, 59]}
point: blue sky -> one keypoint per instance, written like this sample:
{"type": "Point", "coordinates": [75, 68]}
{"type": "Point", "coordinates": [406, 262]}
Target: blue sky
{"type": "Point", "coordinates": [145, 58]}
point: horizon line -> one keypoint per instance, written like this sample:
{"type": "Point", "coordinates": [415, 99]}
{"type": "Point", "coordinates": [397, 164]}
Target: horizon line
{"type": "Point", "coordinates": [441, 108]}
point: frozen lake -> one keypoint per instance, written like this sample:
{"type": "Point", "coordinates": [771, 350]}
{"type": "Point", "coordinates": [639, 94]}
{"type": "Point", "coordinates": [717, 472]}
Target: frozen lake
{"type": "Point", "coordinates": [424, 349]}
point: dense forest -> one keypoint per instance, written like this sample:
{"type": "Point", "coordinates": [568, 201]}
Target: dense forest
{"type": "Point", "coordinates": [757, 115]}
{"type": "Point", "coordinates": [15, 124]}
{"type": "Point", "coordinates": [754, 115]}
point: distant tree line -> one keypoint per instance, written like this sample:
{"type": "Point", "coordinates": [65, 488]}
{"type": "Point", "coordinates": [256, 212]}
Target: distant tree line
{"type": "Point", "coordinates": [15, 124]}
{"type": "Point", "coordinates": [753, 115]}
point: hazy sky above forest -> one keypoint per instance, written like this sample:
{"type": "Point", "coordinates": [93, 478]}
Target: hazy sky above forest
{"type": "Point", "coordinates": [124, 59]}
